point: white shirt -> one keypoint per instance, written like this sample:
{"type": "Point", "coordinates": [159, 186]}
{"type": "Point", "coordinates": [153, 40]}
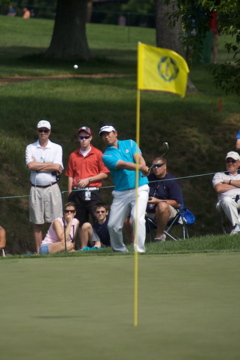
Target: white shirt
{"type": "Point", "coordinates": [219, 177]}
{"type": "Point", "coordinates": [51, 153]}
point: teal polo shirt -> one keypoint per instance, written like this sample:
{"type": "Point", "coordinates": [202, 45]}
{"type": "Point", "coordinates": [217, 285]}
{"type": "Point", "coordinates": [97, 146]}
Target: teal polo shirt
{"type": "Point", "coordinates": [123, 179]}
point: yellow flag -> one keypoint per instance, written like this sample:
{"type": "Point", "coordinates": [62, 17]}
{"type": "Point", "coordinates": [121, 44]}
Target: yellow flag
{"type": "Point", "coordinates": [161, 70]}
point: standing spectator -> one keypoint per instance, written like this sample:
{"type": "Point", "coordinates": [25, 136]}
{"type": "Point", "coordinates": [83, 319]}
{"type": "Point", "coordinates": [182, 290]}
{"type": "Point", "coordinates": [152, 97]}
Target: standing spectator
{"type": "Point", "coordinates": [213, 27]}
{"type": "Point", "coordinates": [63, 229]}
{"type": "Point", "coordinates": [2, 240]}
{"type": "Point", "coordinates": [26, 13]}
{"type": "Point", "coordinates": [96, 234]}
{"type": "Point", "coordinates": [227, 186]}
{"type": "Point", "coordinates": [11, 11]}
{"type": "Point", "coordinates": [123, 158]}
{"type": "Point", "coordinates": [44, 159]}
{"type": "Point", "coordinates": [85, 173]}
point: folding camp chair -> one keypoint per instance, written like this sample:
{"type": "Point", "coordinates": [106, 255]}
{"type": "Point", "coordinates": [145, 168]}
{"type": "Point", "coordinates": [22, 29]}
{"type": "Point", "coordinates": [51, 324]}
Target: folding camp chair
{"type": "Point", "coordinates": [225, 223]}
{"type": "Point", "coordinates": [177, 220]}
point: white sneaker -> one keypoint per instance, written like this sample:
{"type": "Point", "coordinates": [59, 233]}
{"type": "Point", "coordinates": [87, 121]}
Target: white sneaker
{"type": "Point", "coordinates": [235, 230]}
{"type": "Point", "coordinates": [163, 238]}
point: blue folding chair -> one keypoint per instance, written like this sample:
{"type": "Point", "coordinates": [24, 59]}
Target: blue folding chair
{"type": "Point", "coordinates": [179, 219]}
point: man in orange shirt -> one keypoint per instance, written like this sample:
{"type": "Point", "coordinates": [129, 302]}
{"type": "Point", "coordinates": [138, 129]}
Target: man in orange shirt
{"type": "Point", "coordinates": [85, 173]}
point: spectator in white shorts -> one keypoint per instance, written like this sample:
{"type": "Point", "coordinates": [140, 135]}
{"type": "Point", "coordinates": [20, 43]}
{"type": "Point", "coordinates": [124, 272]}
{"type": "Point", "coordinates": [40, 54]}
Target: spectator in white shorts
{"type": "Point", "coordinates": [44, 160]}
{"type": "Point", "coordinates": [62, 232]}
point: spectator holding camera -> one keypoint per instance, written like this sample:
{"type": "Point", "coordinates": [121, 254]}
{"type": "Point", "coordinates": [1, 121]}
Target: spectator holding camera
{"type": "Point", "coordinates": [44, 160]}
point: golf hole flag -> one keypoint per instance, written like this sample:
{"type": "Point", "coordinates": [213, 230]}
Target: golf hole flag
{"type": "Point", "coordinates": [161, 70]}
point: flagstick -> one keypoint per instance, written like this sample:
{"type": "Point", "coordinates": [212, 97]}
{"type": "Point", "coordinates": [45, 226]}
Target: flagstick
{"type": "Point", "coordinates": [136, 222]}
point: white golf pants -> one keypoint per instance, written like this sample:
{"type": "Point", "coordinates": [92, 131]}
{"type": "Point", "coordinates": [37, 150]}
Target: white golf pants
{"type": "Point", "coordinates": [124, 202]}
{"type": "Point", "coordinates": [230, 207]}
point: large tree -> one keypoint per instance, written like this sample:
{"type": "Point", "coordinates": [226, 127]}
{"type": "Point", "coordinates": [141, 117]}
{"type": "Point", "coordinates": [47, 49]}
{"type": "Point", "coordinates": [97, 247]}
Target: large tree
{"type": "Point", "coordinates": [69, 39]}
{"type": "Point", "coordinates": [168, 37]}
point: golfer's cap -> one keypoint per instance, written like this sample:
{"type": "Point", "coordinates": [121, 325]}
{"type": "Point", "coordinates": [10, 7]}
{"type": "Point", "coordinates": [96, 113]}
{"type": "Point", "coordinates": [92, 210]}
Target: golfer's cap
{"type": "Point", "coordinates": [86, 129]}
{"type": "Point", "coordinates": [44, 124]}
{"type": "Point", "coordinates": [233, 155]}
{"type": "Point", "coordinates": [106, 128]}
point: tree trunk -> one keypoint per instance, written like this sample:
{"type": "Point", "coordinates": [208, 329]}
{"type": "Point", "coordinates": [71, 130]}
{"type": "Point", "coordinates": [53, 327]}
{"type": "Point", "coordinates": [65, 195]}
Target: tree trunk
{"type": "Point", "coordinates": [69, 39]}
{"type": "Point", "coordinates": [166, 36]}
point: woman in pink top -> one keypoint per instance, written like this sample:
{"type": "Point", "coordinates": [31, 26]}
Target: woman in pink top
{"type": "Point", "coordinates": [62, 229]}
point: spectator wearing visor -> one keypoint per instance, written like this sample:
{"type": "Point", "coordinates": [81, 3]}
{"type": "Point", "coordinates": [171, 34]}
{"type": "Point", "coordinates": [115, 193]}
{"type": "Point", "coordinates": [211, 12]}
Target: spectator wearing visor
{"type": "Point", "coordinates": [85, 172]}
{"type": "Point", "coordinates": [227, 186]}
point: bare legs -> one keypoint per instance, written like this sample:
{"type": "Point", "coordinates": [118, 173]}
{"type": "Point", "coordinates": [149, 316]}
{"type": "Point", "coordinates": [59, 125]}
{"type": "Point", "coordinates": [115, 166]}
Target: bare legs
{"type": "Point", "coordinates": [86, 234]}
{"type": "Point", "coordinates": [2, 239]}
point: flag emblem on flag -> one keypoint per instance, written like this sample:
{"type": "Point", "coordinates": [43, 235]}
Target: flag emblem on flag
{"type": "Point", "coordinates": [168, 69]}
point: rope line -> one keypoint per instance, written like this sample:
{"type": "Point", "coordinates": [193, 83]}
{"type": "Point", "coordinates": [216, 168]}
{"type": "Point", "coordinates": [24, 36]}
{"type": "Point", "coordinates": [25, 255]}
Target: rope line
{"type": "Point", "coordinates": [112, 186]}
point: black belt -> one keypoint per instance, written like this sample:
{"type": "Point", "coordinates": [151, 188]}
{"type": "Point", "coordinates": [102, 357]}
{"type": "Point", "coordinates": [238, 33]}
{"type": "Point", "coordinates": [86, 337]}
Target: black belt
{"type": "Point", "coordinates": [44, 186]}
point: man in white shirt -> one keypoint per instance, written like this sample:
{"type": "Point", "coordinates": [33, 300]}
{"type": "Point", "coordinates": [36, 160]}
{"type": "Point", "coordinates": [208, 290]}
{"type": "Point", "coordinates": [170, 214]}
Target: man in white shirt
{"type": "Point", "coordinates": [44, 160]}
{"type": "Point", "coordinates": [227, 186]}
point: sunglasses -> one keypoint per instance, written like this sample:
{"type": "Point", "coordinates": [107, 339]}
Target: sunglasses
{"type": "Point", "coordinates": [43, 131]}
{"type": "Point", "coordinates": [84, 137]}
{"type": "Point", "coordinates": [71, 211]}
{"type": "Point", "coordinates": [158, 165]}
{"type": "Point", "coordinates": [100, 211]}
{"type": "Point", "coordinates": [231, 161]}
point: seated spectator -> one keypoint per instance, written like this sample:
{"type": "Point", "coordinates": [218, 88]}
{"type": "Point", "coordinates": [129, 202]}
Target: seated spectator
{"type": "Point", "coordinates": [62, 228]}
{"type": "Point", "coordinates": [11, 11]}
{"type": "Point", "coordinates": [227, 186]}
{"type": "Point", "coordinates": [96, 235]}
{"type": "Point", "coordinates": [2, 239]}
{"type": "Point", "coordinates": [165, 196]}
{"type": "Point", "coordinates": [26, 13]}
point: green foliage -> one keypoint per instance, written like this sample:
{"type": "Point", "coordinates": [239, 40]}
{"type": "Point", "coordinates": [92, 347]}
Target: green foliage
{"type": "Point", "coordinates": [195, 18]}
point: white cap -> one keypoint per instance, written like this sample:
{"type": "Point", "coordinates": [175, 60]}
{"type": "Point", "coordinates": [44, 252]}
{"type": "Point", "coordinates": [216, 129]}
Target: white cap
{"type": "Point", "coordinates": [233, 155]}
{"type": "Point", "coordinates": [106, 128]}
{"type": "Point", "coordinates": [44, 124]}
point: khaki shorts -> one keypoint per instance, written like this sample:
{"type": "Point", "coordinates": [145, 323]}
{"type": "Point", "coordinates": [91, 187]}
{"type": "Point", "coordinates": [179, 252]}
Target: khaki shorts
{"type": "Point", "coordinates": [45, 204]}
{"type": "Point", "coordinates": [173, 213]}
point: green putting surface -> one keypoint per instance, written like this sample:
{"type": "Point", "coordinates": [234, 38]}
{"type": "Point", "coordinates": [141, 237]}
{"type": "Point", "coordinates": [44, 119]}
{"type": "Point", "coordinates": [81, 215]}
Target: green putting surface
{"type": "Point", "coordinates": [82, 308]}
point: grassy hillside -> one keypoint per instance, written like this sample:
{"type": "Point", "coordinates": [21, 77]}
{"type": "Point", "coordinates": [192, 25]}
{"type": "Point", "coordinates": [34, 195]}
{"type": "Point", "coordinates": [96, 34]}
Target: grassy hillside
{"type": "Point", "coordinates": [198, 134]}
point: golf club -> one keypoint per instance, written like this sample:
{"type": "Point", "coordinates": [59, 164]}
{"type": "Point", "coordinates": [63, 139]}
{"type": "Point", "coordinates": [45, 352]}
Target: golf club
{"type": "Point", "coordinates": [165, 144]}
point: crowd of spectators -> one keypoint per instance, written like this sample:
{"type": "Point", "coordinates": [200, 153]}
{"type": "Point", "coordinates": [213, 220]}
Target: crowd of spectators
{"type": "Point", "coordinates": [158, 193]}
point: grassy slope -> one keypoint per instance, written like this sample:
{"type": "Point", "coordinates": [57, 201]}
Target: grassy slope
{"type": "Point", "coordinates": [198, 134]}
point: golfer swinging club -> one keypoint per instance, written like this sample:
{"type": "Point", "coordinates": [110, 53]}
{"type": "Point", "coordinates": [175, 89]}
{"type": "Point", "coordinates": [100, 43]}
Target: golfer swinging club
{"type": "Point", "coordinates": [120, 157]}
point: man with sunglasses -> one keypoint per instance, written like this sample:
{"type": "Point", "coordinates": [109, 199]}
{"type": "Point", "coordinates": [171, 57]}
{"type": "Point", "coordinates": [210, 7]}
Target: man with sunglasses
{"type": "Point", "coordinates": [85, 173]}
{"type": "Point", "coordinates": [227, 186]}
{"type": "Point", "coordinates": [96, 235]}
{"type": "Point", "coordinates": [44, 160]}
{"type": "Point", "coordinates": [165, 196]}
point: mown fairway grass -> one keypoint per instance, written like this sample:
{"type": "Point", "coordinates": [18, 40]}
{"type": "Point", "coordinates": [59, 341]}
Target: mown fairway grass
{"type": "Point", "coordinates": [82, 307]}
